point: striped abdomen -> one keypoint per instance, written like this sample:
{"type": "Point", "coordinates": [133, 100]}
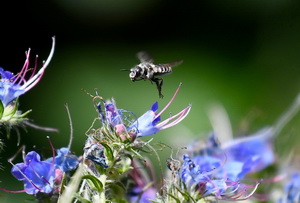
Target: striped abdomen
{"type": "Point", "coordinates": [162, 69]}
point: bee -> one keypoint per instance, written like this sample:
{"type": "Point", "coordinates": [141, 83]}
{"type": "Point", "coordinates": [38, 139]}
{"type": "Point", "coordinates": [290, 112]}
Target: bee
{"type": "Point", "coordinates": [146, 70]}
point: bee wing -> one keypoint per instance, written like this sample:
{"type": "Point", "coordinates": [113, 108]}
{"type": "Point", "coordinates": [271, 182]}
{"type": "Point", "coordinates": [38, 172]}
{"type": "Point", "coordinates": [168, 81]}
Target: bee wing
{"type": "Point", "coordinates": [174, 63]}
{"type": "Point", "coordinates": [143, 56]}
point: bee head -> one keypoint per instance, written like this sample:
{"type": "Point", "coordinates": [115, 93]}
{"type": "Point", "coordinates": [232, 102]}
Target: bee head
{"type": "Point", "coordinates": [135, 73]}
{"type": "Point", "coordinates": [132, 75]}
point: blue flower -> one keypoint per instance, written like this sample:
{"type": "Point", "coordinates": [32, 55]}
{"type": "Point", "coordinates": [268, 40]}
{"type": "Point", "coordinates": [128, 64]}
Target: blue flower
{"type": "Point", "coordinates": [13, 86]}
{"type": "Point", "coordinates": [43, 177]}
{"type": "Point", "coordinates": [218, 171]}
{"type": "Point", "coordinates": [211, 173]}
{"type": "Point", "coordinates": [138, 195]}
{"type": "Point", "coordinates": [148, 123]}
{"type": "Point", "coordinates": [64, 160]}
{"type": "Point", "coordinates": [113, 116]}
{"type": "Point", "coordinates": [291, 190]}
{"type": "Point", "coordinates": [37, 175]}
{"type": "Point", "coordinates": [255, 152]}
{"type": "Point", "coordinates": [143, 188]}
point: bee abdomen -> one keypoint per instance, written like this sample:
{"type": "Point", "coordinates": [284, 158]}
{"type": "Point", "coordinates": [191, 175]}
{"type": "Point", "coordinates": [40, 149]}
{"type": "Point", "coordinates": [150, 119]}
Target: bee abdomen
{"type": "Point", "coordinates": [163, 69]}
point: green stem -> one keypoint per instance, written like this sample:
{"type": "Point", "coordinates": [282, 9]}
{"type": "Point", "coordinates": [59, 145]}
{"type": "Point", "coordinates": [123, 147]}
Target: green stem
{"type": "Point", "coordinates": [102, 194]}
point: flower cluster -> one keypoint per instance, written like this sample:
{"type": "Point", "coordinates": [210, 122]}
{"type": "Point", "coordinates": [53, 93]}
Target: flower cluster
{"type": "Point", "coordinates": [219, 171]}
{"type": "Point", "coordinates": [12, 86]}
{"type": "Point", "coordinates": [113, 150]}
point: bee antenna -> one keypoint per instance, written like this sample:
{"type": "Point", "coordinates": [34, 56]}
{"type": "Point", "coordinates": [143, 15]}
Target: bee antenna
{"type": "Point", "coordinates": [124, 69]}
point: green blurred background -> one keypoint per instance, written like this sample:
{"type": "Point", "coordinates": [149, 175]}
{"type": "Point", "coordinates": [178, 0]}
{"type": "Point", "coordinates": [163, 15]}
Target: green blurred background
{"type": "Point", "coordinates": [242, 54]}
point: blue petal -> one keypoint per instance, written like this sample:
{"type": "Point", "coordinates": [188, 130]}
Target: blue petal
{"type": "Point", "coordinates": [156, 120]}
{"type": "Point", "coordinates": [197, 170]}
{"type": "Point", "coordinates": [215, 186]}
{"type": "Point", "coordinates": [16, 171]}
{"type": "Point", "coordinates": [8, 89]}
{"type": "Point", "coordinates": [64, 160]}
{"type": "Point", "coordinates": [5, 74]}
{"type": "Point", "coordinates": [234, 170]}
{"type": "Point", "coordinates": [9, 92]}
{"type": "Point", "coordinates": [32, 157]}
{"type": "Point", "coordinates": [207, 163]}
{"type": "Point", "coordinates": [208, 169]}
{"type": "Point", "coordinates": [135, 195]}
{"type": "Point", "coordinates": [145, 125]}
{"type": "Point", "coordinates": [40, 173]}
{"type": "Point", "coordinates": [256, 151]}
{"type": "Point", "coordinates": [291, 190]}
{"type": "Point", "coordinates": [154, 107]}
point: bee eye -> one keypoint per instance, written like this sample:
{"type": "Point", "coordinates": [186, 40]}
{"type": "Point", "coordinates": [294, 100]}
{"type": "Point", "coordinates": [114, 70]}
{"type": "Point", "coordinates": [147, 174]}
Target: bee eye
{"type": "Point", "coordinates": [132, 74]}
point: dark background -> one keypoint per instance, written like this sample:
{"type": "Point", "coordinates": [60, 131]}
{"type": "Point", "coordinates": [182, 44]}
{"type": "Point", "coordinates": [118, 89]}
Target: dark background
{"type": "Point", "coordinates": [244, 55]}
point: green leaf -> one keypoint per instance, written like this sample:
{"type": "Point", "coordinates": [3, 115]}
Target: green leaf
{"type": "Point", "coordinates": [138, 155]}
{"type": "Point", "coordinates": [100, 169]}
{"type": "Point", "coordinates": [108, 151]}
{"type": "Point", "coordinates": [1, 109]}
{"type": "Point", "coordinates": [175, 198]}
{"type": "Point", "coordinates": [96, 182]}
{"type": "Point", "coordinates": [186, 195]}
{"type": "Point", "coordinates": [113, 173]}
{"type": "Point", "coordinates": [121, 185]}
{"type": "Point", "coordinates": [81, 199]}
{"type": "Point", "coordinates": [12, 108]}
{"type": "Point", "coordinates": [117, 190]}
{"type": "Point", "coordinates": [24, 114]}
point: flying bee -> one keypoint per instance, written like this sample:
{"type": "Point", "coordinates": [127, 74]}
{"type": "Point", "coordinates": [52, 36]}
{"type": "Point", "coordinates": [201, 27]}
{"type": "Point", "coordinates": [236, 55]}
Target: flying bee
{"type": "Point", "coordinates": [146, 70]}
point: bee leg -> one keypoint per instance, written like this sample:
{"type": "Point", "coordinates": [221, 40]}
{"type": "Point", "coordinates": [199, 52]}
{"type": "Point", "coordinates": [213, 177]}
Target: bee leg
{"type": "Point", "coordinates": [159, 83]}
{"type": "Point", "coordinates": [150, 75]}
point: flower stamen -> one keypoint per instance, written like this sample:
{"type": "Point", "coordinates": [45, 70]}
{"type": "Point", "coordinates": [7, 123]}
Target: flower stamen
{"type": "Point", "coordinates": [169, 103]}
{"type": "Point", "coordinates": [53, 151]}
{"type": "Point", "coordinates": [181, 115]}
{"type": "Point", "coordinates": [36, 78]}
